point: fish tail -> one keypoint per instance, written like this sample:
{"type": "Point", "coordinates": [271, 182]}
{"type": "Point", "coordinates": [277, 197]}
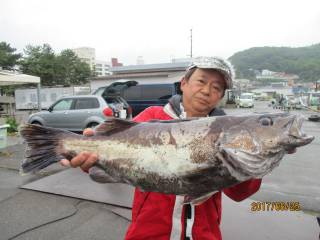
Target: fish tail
{"type": "Point", "coordinates": [43, 147]}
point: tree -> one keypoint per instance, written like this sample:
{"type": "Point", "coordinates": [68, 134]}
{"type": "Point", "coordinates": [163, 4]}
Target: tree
{"type": "Point", "coordinates": [8, 59]}
{"type": "Point", "coordinates": [70, 70]}
{"type": "Point", "coordinates": [63, 69]}
{"type": "Point", "coordinates": [40, 61]}
{"type": "Point", "coordinates": [303, 61]}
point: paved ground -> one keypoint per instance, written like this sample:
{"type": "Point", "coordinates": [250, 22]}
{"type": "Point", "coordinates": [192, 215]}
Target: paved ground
{"type": "Point", "coordinates": [28, 214]}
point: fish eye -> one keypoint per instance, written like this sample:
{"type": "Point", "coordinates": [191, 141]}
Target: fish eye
{"type": "Point", "coordinates": [266, 121]}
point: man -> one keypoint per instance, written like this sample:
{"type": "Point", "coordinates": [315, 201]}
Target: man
{"type": "Point", "coordinates": [161, 216]}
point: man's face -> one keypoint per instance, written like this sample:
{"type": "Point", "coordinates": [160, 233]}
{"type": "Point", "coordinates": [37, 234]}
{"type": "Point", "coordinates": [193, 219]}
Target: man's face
{"type": "Point", "coordinates": [202, 92]}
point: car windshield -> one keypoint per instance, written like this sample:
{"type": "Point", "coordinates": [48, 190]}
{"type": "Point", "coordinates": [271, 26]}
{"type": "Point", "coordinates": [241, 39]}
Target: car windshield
{"type": "Point", "coordinates": [245, 97]}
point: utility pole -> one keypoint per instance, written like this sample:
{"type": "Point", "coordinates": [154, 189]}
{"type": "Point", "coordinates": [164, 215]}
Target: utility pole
{"type": "Point", "coordinates": [191, 43]}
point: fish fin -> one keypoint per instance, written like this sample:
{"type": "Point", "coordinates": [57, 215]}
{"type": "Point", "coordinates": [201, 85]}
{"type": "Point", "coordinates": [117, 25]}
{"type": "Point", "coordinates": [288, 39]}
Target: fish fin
{"type": "Point", "coordinates": [43, 146]}
{"type": "Point", "coordinates": [113, 125]}
{"type": "Point", "coordinates": [99, 175]}
{"type": "Point", "coordinates": [197, 200]}
{"type": "Point", "coordinates": [173, 120]}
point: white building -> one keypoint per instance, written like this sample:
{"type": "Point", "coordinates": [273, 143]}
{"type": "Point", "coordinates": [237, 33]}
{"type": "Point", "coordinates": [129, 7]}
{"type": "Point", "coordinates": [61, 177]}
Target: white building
{"type": "Point", "coordinates": [102, 68]}
{"type": "Point", "coordinates": [88, 55]}
{"type": "Point", "coordinates": [267, 74]}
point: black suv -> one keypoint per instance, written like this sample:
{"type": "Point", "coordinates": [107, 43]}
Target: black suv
{"type": "Point", "coordinates": [141, 96]}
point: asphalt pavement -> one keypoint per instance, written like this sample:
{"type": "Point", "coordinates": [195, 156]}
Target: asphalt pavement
{"type": "Point", "coordinates": [61, 204]}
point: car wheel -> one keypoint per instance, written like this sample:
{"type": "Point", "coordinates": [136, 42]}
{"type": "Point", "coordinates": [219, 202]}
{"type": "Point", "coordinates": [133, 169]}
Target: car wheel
{"type": "Point", "coordinates": [36, 123]}
{"type": "Point", "coordinates": [92, 125]}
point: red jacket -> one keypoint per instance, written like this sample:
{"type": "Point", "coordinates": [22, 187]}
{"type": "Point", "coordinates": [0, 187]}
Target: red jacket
{"type": "Point", "coordinates": [152, 212]}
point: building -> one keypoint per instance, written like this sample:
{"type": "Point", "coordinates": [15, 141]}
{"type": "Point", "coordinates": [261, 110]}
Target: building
{"type": "Point", "coordinates": [242, 85]}
{"type": "Point", "coordinates": [281, 76]}
{"type": "Point", "coordinates": [88, 55]}
{"type": "Point", "coordinates": [115, 63]}
{"type": "Point", "coordinates": [102, 68]}
{"type": "Point", "coordinates": [271, 92]}
{"type": "Point", "coordinates": [146, 73]}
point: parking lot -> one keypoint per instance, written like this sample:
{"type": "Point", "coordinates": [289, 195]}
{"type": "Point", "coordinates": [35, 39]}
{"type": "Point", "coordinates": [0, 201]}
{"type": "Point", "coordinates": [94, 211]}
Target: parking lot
{"type": "Point", "coordinates": [64, 204]}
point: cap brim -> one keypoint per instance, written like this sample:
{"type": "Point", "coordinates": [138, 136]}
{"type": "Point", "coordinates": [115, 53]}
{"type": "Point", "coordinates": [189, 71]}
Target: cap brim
{"type": "Point", "coordinates": [225, 74]}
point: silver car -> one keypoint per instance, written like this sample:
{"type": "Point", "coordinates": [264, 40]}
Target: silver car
{"type": "Point", "coordinates": [76, 113]}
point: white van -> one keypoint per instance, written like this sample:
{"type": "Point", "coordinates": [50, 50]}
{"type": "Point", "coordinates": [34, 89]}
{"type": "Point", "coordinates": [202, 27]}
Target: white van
{"type": "Point", "coordinates": [246, 100]}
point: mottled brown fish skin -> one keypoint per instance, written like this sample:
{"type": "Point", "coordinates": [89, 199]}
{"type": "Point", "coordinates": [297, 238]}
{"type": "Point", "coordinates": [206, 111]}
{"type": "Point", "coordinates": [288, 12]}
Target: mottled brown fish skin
{"type": "Point", "coordinates": [184, 157]}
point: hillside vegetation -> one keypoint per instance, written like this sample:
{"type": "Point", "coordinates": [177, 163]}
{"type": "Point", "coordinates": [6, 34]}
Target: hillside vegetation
{"type": "Point", "coordinates": [303, 61]}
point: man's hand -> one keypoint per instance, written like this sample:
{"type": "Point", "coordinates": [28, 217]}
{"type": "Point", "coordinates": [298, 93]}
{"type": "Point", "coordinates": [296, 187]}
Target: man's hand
{"type": "Point", "coordinates": [84, 160]}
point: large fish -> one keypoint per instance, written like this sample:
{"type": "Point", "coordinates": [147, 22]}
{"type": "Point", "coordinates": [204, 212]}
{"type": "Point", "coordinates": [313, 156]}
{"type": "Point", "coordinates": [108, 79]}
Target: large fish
{"type": "Point", "coordinates": [191, 157]}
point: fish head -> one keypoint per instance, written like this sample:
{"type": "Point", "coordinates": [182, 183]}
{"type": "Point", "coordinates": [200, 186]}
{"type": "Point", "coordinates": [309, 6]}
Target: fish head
{"type": "Point", "coordinates": [256, 144]}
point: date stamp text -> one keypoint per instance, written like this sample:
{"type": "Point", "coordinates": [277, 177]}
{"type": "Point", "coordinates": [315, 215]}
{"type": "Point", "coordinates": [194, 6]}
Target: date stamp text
{"type": "Point", "coordinates": [257, 206]}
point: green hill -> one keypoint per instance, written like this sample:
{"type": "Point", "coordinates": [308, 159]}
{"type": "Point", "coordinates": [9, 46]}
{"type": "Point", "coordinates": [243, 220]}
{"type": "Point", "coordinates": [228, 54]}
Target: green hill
{"type": "Point", "coordinates": [303, 61]}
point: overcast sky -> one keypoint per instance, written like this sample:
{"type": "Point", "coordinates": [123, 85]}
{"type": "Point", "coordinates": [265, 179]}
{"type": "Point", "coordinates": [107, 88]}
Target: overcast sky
{"type": "Point", "coordinates": [159, 30]}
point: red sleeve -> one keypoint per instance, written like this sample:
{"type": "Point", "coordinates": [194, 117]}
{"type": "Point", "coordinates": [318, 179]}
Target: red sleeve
{"type": "Point", "coordinates": [144, 116]}
{"type": "Point", "coordinates": [243, 190]}
{"type": "Point", "coordinates": [149, 113]}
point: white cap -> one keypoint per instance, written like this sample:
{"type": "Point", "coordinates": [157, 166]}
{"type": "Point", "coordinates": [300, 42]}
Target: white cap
{"type": "Point", "coordinates": [219, 64]}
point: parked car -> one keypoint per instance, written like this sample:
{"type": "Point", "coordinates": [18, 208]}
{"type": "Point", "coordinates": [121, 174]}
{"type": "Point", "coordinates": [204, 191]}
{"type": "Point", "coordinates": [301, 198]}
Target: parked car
{"type": "Point", "coordinates": [76, 113]}
{"type": "Point", "coordinates": [246, 100]}
{"type": "Point", "coordinates": [141, 96]}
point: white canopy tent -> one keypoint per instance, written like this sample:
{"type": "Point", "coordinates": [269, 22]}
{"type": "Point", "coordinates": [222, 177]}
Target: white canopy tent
{"type": "Point", "coordinates": [8, 78]}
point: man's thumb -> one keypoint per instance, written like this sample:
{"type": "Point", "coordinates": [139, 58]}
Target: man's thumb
{"type": "Point", "coordinates": [88, 132]}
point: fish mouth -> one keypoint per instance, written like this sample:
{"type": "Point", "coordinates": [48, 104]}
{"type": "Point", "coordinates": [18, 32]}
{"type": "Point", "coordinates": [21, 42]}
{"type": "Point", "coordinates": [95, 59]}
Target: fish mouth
{"type": "Point", "coordinates": [294, 141]}
{"type": "Point", "coordinates": [295, 136]}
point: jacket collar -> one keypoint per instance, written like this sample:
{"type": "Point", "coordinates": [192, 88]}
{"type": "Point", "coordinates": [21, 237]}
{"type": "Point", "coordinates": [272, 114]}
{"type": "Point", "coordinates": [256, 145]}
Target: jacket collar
{"type": "Point", "coordinates": [174, 108]}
